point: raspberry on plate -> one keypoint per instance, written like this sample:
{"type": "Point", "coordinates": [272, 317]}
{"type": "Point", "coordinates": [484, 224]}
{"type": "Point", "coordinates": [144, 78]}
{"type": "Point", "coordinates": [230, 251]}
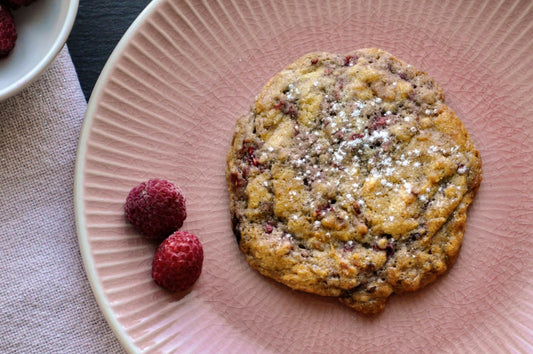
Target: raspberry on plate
{"type": "Point", "coordinates": [8, 32]}
{"type": "Point", "coordinates": [178, 261]}
{"type": "Point", "coordinates": [156, 208]}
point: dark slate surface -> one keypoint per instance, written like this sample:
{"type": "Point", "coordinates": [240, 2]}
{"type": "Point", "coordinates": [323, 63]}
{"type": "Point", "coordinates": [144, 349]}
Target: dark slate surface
{"type": "Point", "coordinates": [99, 25]}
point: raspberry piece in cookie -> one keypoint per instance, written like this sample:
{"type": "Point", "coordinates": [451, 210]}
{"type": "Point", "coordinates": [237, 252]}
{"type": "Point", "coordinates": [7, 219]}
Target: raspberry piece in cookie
{"type": "Point", "coordinates": [178, 261]}
{"type": "Point", "coordinates": [156, 208]}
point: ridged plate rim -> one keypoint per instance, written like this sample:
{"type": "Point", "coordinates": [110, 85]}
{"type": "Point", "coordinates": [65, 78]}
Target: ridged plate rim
{"type": "Point", "coordinates": [79, 210]}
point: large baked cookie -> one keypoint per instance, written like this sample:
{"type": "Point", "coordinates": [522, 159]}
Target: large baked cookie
{"type": "Point", "coordinates": [350, 177]}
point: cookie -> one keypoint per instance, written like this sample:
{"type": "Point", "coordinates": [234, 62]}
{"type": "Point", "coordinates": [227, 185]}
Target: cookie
{"type": "Point", "coordinates": [350, 177]}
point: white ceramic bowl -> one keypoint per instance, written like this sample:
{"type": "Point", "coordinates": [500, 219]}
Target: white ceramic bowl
{"type": "Point", "coordinates": [43, 28]}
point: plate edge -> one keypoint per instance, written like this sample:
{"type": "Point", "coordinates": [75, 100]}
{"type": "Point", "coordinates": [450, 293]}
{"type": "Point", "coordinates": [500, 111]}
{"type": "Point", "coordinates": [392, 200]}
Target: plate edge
{"type": "Point", "coordinates": [79, 209]}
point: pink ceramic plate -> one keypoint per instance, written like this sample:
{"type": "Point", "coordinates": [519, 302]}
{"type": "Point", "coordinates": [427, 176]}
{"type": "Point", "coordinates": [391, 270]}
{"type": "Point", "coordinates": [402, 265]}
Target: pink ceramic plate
{"type": "Point", "coordinates": [166, 104]}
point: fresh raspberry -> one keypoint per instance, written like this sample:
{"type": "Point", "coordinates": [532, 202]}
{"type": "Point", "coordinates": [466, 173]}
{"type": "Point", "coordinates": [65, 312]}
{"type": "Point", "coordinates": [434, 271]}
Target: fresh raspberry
{"type": "Point", "coordinates": [156, 208]}
{"type": "Point", "coordinates": [15, 4]}
{"type": "Point", "coordinates": [178, 261]}
{"type": "Point", "coordinates": [8, 32]}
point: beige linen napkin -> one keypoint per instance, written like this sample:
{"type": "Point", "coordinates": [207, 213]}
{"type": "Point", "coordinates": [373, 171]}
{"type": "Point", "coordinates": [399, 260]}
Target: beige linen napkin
{"type": "Point", "coordinates": [46, 303]}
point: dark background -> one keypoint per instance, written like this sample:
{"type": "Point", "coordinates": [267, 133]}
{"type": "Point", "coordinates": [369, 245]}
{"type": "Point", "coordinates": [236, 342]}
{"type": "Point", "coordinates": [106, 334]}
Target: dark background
{"type": "Point", "coordinates": [99, 25]}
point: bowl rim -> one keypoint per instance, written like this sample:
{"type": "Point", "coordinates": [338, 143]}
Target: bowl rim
{"type": "Point", "coordinates": [43, 64]}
